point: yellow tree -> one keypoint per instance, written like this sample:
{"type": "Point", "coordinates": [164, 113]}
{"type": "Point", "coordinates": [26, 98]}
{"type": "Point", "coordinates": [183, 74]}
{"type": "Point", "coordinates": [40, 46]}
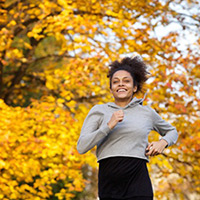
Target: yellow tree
{"type": "Point", "coordinates": [53, 63]}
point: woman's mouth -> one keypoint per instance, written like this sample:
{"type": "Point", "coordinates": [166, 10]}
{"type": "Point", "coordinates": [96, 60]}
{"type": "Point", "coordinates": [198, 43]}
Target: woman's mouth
{"type": "Point", "coordinates": [122, 90]}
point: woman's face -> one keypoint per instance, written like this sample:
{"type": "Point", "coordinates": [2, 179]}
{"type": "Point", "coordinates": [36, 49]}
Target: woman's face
{"type": "Point", "coordinates": [122, 85]}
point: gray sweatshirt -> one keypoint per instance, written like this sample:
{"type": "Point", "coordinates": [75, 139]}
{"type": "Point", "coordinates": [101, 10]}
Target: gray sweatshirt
{"type": "Point", "coordinates": [128, 138]}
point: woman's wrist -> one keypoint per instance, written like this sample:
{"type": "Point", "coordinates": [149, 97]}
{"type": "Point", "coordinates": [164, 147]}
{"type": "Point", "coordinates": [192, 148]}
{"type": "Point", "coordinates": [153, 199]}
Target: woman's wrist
{"type": "Point", "coordinates": [110, 125]}
{"type": "Point", "coordinates": [164, 142]}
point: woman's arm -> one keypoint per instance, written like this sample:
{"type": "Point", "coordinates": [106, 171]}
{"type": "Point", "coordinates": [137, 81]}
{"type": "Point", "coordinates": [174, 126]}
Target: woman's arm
{"type": "Point", "coordinates": [167, 131]}
{"type": "Point", "coordinates": [92, 131]}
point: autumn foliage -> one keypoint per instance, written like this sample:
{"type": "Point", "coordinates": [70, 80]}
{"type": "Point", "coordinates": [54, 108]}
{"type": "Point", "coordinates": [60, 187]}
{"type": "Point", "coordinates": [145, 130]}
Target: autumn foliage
{"type": "Point", "coordinates": [54, 57]}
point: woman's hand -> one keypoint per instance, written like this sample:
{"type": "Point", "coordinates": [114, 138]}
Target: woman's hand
{"type": "Point", "coordinates": [156, 148]}
{"type": "Point", "coordinates": [116, 117]}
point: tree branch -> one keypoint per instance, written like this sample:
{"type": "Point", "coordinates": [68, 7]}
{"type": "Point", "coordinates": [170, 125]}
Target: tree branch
{"type": "Point", "coordinates": [16, 80]}
{"type": "Point", "coordinates": [49, 56]}
{"type": "Point", "coordinates": [1, 76]}
{"type": "Point", "coordinates": [189, 16]}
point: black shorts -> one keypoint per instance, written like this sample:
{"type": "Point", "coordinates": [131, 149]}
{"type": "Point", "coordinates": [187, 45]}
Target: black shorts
{"type": "Point", "coordinates": [132, 198]}
{"type": "Point", "coordinates": [124, 178]}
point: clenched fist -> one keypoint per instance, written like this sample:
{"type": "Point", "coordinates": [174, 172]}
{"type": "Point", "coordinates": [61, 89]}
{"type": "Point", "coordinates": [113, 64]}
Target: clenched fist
{"type": "Point", "coordinates": [116, 117]}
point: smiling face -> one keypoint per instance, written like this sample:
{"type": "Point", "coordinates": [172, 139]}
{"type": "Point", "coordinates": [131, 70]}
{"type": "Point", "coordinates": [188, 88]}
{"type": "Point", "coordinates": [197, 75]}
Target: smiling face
{"type": "Point", "coordinates": [122, 86]}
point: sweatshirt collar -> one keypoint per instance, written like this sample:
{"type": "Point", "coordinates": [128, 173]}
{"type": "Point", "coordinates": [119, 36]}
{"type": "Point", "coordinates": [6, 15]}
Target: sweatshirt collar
{"type": "Point", "coordinates": [133, 102]}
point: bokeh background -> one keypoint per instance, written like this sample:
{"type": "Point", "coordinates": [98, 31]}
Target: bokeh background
{"type": "Point", "coordinates": [54, 57]}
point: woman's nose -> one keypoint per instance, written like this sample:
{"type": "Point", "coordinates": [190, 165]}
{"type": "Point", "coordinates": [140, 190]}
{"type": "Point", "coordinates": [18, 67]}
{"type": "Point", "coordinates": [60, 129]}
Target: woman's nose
{"type": "Point", "coordinates": [121, 83]}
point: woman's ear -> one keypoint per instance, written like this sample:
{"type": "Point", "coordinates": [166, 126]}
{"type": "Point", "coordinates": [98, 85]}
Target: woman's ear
{"type": "Point", "coordinates": [135, 89]}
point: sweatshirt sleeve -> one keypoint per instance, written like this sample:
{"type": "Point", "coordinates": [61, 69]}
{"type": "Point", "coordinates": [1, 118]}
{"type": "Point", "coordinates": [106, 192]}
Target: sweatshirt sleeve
{"type": "Point", "coordinates": [92, 131]}
{"type": "Point", "coordinates": [166, 130]}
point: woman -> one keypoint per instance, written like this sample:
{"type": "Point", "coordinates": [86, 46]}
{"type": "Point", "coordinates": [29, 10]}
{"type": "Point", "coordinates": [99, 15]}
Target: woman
{"type": "Point", "coordinates": [120, 130]}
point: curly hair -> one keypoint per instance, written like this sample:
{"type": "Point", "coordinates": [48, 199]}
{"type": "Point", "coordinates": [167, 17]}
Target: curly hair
{"type": "Point", "coordinates": [135, 66]}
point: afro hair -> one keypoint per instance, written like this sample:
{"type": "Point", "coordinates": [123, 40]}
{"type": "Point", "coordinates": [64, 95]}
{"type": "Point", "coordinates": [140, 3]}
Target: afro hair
{"type": "Point", "coordinates": [135, 66]}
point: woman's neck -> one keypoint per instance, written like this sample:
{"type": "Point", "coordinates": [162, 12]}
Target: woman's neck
{"type": "Point", "coordinates": [122, 102]}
